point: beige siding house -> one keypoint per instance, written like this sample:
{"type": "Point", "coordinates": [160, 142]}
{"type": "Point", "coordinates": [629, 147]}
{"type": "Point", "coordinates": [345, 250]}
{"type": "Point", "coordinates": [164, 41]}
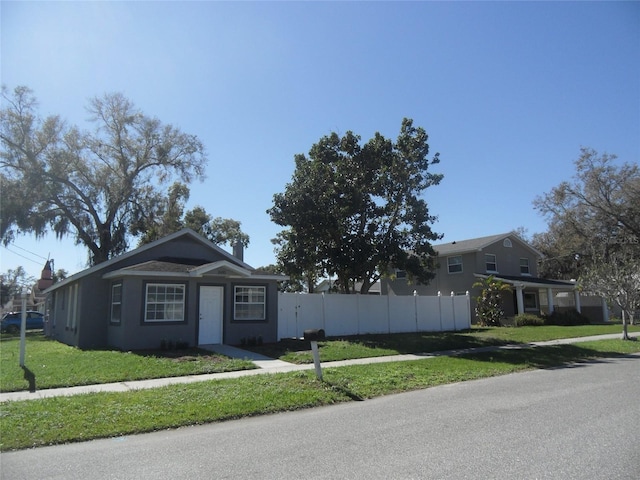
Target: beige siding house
{"type": "Point", "coordinates": [507, 257]}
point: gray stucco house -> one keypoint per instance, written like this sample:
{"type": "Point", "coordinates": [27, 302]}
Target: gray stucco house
{"type": "Point", "coordinates": [181, 288]}
{"type": "Point", "coordinates": [505, 256]}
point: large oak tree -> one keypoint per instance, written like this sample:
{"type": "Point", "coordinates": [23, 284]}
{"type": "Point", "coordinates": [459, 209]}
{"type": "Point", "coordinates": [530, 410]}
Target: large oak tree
{"type": "Point", "coordinates": [356, 211]}
{"type": "Point", "coordinates": [94, 185]}
{"type": "Point", "coordinates": [594, 229]}
{"type": "Point", "coordinates": [168, 216]}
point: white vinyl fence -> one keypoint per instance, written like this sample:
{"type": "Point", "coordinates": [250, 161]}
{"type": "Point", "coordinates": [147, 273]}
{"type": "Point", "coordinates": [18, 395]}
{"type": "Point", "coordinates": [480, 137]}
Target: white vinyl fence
{"type": "Point", "coordinates": [361, 314]}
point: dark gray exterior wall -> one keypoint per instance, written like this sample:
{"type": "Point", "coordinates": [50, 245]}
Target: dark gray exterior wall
{"type": "Point", "coordinates": [134, 334]}
{"type": "Point", "coordinates": [93, 328]}
{"type": "Point", "coordinates": [236, 330]}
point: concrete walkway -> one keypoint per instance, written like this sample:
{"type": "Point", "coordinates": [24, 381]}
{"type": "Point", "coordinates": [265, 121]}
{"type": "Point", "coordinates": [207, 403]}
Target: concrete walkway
{"type": "Point", "coordinates": [269, 365]}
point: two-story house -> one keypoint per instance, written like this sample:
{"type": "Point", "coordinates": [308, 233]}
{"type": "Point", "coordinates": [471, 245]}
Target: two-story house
{"type": "Point", "coordinates": [506, 256]}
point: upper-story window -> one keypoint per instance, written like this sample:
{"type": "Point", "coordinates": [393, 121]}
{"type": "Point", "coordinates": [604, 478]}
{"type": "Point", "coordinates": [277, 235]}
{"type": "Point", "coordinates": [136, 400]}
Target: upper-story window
{"type": "Point", "coordinates": [507, 243]}
{"type": "Point", "coordinates": [524, 266]}
{"type": "Point", "coordinates": [491, 262]}
{"type": "Point", "coordinates": [454, 264]}
{"type": "Point", "coordinates": [401, 274]}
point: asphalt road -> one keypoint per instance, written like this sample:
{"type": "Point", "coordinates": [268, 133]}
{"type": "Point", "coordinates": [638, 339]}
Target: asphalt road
{"type": "Point", "coordinates": [580, 422]}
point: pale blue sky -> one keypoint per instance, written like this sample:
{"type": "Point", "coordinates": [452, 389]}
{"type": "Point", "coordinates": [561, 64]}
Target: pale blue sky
{"type": "Point", "coordinates": [508, 92]}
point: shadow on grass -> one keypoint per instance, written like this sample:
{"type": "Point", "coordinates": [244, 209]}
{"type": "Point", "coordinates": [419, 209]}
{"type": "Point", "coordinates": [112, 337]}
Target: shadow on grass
{"type": "Point", "coordinates": [339, 388]}
{"type": "Point", "coordinates": [30, 377]}
{"type": "Point", "coordinates": [401, 343]}
{"type": "Point", "coordinates": [31, 335]}
{"type": "Point", "coordinates": [555, 356]}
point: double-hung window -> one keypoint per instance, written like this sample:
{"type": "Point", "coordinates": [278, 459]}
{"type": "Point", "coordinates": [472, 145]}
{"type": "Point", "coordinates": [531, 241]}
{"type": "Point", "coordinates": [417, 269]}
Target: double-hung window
{"type": "Point", "coordinates": [524, 266]}
{"type": "Point", "coordinates": [249, 303]}
{"type": "Point", "coordinates": [116, 302]}
{"type": "Point", "coordinates": [454, 264]}
{"type": "Point", "coordinates": [164, 302]}
{"type": "Point", "coordinates": [491, 262]}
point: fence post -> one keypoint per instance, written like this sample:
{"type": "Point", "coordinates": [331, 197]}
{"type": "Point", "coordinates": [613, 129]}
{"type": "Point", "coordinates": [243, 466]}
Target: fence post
{"type": "Point", "coordinates": [324, 320]}
{"type": "Point", "coordinates": [358, 312]}
{"type": "Point", "coordinates": [453, 307]}
{"type": "Point", "coordinates": [415, 308]}
{"type": "Point", "coordinates": [440, 308]}
{"type": "Point", "coordinates": [468, 309]}
{"type": "Point", "coordinates": [388, 314]}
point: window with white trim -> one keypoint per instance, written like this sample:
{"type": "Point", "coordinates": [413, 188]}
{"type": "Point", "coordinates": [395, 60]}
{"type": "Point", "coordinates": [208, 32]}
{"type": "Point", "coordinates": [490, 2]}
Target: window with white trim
{"type": "Point", "coordinates": [164, 302]}
{"type": "Point", "coordinates": [116, 302]}
{"type": "Point", "coordinates": [490, 262]}
{"type": "Point", "coordinates": [249, 303]}
{"type": "Point", "coordinates": [524, 266]}
{"type": "Point", "coordinates": [454, 264]}
{"type": "Point", "coordinates": [507, 243]}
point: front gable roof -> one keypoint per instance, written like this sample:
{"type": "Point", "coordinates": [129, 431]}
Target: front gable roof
{"type": "Point", "coordinates": [182, 268]}
{"type": "Point", "coordinates": [163, 267]}
{"type": "Point", "coordinates": [479, 244]}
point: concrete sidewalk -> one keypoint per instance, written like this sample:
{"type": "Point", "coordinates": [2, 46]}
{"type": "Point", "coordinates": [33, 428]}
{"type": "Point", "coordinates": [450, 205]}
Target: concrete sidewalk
{"type": "Point", "coordinates": [268, 365]}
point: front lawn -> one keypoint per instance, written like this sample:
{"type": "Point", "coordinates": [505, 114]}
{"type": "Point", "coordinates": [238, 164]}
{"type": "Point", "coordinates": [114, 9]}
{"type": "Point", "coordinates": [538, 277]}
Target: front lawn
{"type": "Point", "coordinates": [51, 364]}
{"type": "Point", "coordinates": [363, 346]}
{"type": "Point", "coordinates": [84, 417]}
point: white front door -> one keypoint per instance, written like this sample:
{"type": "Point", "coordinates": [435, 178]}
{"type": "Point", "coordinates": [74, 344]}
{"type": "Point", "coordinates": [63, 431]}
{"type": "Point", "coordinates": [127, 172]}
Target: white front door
{"type": "Point", "coordinates": [210, 314]}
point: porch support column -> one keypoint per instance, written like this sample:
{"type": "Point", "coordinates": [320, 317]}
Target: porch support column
{"type": "Point", "coordinates": [576, 296]}
{"type": "Point", "coordinates": [520, 299]}
{"type": "Point", "coordinates": [605, 310]}
{"type": "Point", "coordinates": [550, 300]}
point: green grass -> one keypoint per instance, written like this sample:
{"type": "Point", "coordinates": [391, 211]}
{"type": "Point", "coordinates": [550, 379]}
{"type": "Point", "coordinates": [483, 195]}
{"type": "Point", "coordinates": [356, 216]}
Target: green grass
{"type": "Point", "coordinates": [52, 364]}
{"type": "Point", "coordinates": [83, 417]}
{"type": "Point", "coordinates": [363, 346]}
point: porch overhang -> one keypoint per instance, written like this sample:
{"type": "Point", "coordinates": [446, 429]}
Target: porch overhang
{"type": "Point", "coordinates": [550, 286]}
{"type": "Point", "coordinates": [533, 282]}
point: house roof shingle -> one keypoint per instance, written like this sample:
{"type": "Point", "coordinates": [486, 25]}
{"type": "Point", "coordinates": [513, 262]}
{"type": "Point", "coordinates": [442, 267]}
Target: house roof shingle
{"type": "Point", "coordinates": [477, 244]}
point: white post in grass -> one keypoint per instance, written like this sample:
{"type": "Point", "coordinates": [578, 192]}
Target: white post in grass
{"type": "Point", "coordinates": [23, 325]}
{"type": "Point", "coordinates": [316, 359]}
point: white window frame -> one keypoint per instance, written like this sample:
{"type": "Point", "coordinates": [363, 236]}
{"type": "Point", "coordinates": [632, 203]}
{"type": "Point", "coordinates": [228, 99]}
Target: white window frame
{"type": "Point", "coordinates": [168, 300]}
{"type": "Point", "coordinates": [494, 263]}
{"type": "Point", "coordinates": [450, 264]}
{"type": "Point", "coordinates": [507, 243]}
{"type": "Point", "coordinates": [249, 302]}
{"type": "Point", "coordinates": [116, 303]}
{"type": "Point", "coordinates": [528, 267]}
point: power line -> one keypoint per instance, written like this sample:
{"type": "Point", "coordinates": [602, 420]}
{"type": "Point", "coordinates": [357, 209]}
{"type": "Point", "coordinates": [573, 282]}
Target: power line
{"type": "Point", "coordinates": [20, 255]}
{"type": "Point", "coordinates": [28, 251]}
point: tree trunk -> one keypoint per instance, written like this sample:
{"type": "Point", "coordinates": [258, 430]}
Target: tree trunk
{"type": "Point", "coordinates": [625, 330]}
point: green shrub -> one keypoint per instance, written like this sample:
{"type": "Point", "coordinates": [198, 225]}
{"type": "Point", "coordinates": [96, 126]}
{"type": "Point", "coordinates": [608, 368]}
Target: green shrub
{"type": "Point", "coordinates": [566, 318]}
{"type": "Point", "coordinates": [528, 319]}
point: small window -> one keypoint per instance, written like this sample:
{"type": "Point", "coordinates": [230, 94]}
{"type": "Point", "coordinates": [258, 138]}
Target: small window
{"type": "Point", "coordinates": [249, 303]}
{"type": "Point", "coordinates": [491, 263]}
{"type": "Point", "coordinates": [116, 303]}
{"type": "Point", "coordinates": [164, 303]}
{"type": "Point", "coordinates": [401, 274]}
{"type": "Point", "coordinates": [524, 266]}
{"type": "Point", "coordinates": [454, 264]}
{"type": "Point", "coordinates": [507, 243]}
